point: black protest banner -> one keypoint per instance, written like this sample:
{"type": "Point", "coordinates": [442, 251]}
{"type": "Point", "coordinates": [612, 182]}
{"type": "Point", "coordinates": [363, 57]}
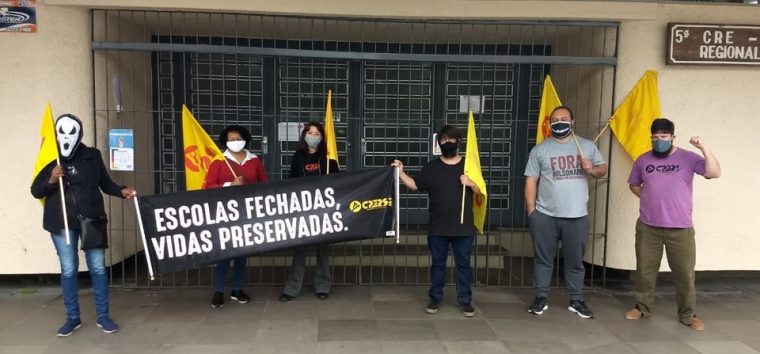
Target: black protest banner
{"type": "Point", "coordinates": [186, 230]}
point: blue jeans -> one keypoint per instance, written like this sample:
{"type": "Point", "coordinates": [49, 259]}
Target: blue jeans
{"type": "Point", "coordinates": [68, 255]}
{"type": "Point", "coordinates": [439, 251]}
{"type": "Point", "coordinates": [237, 274]}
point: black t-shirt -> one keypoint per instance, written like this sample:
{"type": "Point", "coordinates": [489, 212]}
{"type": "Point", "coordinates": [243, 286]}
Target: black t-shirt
{"type": "Point", "coordinates": [441, 181]}
{"type": "Point", "coordinates": [306, 164]}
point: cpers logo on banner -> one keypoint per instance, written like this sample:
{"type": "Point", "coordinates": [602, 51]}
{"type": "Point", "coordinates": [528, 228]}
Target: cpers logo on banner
{"type": "Point", "coordinates": [357, 206]}
{"type": "Point", "coordinates": [18, 16]}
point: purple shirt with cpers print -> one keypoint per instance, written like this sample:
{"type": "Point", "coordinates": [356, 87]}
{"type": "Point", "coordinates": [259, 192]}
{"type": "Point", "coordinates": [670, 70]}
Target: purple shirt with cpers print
{"type": "Point", "coordinates": [666, 187]}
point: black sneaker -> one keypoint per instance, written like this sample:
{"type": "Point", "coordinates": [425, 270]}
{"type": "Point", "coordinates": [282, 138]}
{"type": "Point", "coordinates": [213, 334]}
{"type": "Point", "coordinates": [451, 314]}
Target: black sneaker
{"type": "Point", "coordinates": [579, 307]}
{"type": "Point", "coordinates": [538, 306]}
{"type": "Point", "coordinates": [240, 296]}
{"type": "Point", "coordinates": [286, 298]}
{"type": "Point", "coordinates": [217, 300]}
{"type": "Point", "coordinates": [432, 307]}
{"type": "Point", "coordinates": [468, 310]}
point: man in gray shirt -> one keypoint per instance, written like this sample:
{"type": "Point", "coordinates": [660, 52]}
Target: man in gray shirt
{"type": "Point", "coordinates": [558, 171]}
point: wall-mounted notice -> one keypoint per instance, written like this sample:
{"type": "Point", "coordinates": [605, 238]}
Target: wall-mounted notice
{"type": "Point", "coordinates": [18, 16]}
{"type": "Point", "coordinates": [289, 131]}
{"type": "Point", "coordinates": [121, 146]}
{"type": "Point", "coordinates": [713, 44]}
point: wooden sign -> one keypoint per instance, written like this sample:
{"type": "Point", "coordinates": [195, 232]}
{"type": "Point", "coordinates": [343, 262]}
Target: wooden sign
{"type": "Point", "coordinates": [713, 44]}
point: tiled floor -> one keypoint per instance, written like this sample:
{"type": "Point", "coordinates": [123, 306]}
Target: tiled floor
{"type": "Point", "coordinates": [385, 319]}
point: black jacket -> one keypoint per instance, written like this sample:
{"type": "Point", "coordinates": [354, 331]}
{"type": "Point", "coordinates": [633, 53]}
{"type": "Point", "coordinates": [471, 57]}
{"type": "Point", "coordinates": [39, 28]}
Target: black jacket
{"type": "Point", "coordinates": [85, 176]}
{"type": "Point", "coordinates": [306, 164]}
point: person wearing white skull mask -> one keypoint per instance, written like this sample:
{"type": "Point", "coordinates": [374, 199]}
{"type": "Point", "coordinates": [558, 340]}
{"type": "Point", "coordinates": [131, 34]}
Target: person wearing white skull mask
{"type": "Point", "coordinates": [241, 167]}
{"type": "Point", "coordinates": [68, 132]}
{"type": "Point", "coordinates": [84, 176]}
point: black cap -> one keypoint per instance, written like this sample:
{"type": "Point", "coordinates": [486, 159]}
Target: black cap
{"type": "Point", "coordinates": [662, 125]}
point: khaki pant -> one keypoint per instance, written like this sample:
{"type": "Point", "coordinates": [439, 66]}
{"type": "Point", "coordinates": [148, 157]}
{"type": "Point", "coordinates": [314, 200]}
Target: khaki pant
{"type": "Point", "coordinates": [681, 252]}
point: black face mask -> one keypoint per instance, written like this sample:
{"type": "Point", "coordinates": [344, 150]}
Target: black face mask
{"type": "Point", "coordinates": [561, 129]}
{"type": "Point", "coordinates": [449, 149]}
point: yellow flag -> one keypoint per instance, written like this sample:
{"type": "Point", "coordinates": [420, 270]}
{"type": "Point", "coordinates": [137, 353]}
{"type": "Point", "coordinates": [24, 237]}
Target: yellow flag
{"type": "Point", "coordinates": [473, 171]}
{"type": "Point", "coordinates": [634, 116]}
{"type": "Point", "coordinates": [199, 150]}
{"type": "Point", "coordinates": [549, 101]}
{"type": "Point", "coordinates": [332, 144]}
{"type": "Point", "coordinates": [48, 147]}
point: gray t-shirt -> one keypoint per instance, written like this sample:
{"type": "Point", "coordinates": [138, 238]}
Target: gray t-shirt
{"type": "Point", "coordinates": [562, 182]}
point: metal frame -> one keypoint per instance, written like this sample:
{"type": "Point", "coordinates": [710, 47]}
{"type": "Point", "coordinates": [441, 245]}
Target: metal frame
{"type": "Point", "coordinates": [282, 49]}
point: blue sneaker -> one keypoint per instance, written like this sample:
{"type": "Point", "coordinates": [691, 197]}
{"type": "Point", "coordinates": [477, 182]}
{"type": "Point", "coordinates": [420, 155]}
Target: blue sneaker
{"type": "Point", "coordinates": [69, 327]}
{"type": "Point", "coordinates": [107, 325]}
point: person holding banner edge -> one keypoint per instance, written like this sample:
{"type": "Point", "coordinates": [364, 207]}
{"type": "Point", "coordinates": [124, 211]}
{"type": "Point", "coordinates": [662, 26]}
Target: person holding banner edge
{"type": "Point", "coordinates": [442, 179]}
{"type": "Point", "coordinates": [239, 167]}
{"type": "Point", "coordinates": [556, 197]}
{"type": "Point", "coordinates": [310, 159]}
{"type": "Point", "coordinates": [84, 176]}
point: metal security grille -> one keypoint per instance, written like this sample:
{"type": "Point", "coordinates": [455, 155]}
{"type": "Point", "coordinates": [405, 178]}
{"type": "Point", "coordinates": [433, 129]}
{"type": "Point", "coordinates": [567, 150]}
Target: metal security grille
{"type": "Point", "coordinates": [303, 87]}
{"type": "Point", "coordinates": [394, 84]}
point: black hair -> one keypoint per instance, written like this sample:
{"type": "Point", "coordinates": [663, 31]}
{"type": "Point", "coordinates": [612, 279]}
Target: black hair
{"type": "Point", "coordinates": [572, 116]}
{"type": "Point", "coordinates": [234, 128]}
{"type": "Point", "coordinates": [321, 147]}
{"type": "Point", "coordinates": [662, 125]}
{"type": "Point", "coordinates": [449, 131]}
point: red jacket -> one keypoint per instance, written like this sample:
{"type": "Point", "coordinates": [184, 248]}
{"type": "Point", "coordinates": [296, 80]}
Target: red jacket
{"type": "Point", "coordinates": [218, 173]}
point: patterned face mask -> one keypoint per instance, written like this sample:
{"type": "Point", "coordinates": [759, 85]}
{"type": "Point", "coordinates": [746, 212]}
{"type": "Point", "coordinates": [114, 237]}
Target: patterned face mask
{"type": "Point", "coordinates": [561, 129]}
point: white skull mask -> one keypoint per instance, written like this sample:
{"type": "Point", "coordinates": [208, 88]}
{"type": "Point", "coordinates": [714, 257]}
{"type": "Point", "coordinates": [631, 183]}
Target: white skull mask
{"type": "Point", "coordinates": [68, 131]}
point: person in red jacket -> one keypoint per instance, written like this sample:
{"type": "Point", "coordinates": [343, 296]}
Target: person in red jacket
{"type": "Point", "coordinates": [241, 167]}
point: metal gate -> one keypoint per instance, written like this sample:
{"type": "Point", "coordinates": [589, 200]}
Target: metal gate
{"type": "Point", "coordinates": [394, 84]}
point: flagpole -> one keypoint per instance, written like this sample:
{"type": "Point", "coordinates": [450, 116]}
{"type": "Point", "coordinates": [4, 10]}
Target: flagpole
{"type": "Point", "coordinates": [63, 205]}
{"type": "Point", "coordinates": [461, 217]}
{"type": "Point", "coordinates": [398, 208]}
{"type": "Point", "coordinates": [60, 183]}
{"type": "Point", "coordinates": [603, 129]}
{"type": "Point", "coordinates": [580, 151]}
{"type": "Point", "coordinates": [229, 166]}
{"type": "Point", "coordinates": [144, 241]}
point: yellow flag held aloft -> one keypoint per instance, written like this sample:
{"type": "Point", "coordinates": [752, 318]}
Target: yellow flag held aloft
{"type": "Point", "coordinates": [549, 101]}
{"type": "Point", "coordinates": [48, 146]}
{"type": "Point", "coordinates": [473, 171]}
{"type": "Point", "coordinates": [199, 150]}
{"type": "Point", "coordinates": [332, 144]}
{"type": "Point", "coordinates": [633, 118]}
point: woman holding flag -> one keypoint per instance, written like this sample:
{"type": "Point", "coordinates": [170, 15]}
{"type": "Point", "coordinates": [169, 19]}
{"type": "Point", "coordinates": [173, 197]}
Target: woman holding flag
{"type": "Point", "coordinates": [238, 167]}
{"type": "Point", "coordinates": [310, 159]}
{"type": "Point", "coordinates": [78, 172]}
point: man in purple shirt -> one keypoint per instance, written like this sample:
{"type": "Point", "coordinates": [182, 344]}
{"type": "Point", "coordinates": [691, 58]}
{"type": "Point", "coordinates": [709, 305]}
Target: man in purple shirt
{"type": "Point", "coordinates": [663, 180]}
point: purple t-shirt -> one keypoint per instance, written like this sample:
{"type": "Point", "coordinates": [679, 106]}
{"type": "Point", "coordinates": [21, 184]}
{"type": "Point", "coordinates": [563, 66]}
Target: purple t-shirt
{"type": "Point", "coordinates": [666, 187]}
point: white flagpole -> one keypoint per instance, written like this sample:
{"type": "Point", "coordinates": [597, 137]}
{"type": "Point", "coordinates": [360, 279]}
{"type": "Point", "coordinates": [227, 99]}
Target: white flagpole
{"type": "Point", "coordinates": [60, 187]}
{"type": "Point", "coordinates": [398, 207]}
{"type": "Point", "coordinates": [63, 205]}
{"type": "Point", "coordinates": [144, 241]}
